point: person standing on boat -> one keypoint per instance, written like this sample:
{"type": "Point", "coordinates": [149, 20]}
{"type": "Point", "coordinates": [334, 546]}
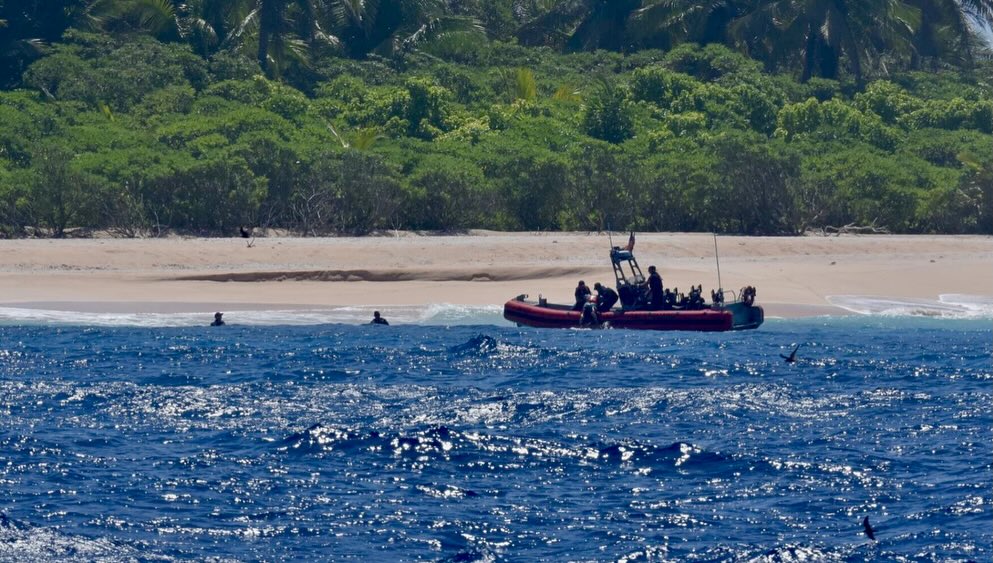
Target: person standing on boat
{"type": "Point", "coordinates": [605, 297]}
{"type": "Point", "coordinates": [582, 296]}
{"type": "Point", "coordinates": [654, 289]}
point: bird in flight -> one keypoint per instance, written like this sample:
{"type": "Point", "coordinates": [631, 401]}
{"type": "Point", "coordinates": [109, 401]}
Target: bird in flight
{"type": "Point", "coordinates": [792, 357]}
{"type": "Point", "coordinates": [868, 529]}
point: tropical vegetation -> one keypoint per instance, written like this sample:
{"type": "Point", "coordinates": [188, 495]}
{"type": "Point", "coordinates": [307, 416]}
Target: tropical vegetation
{"type": "Point", "coordinates": [142, 117]}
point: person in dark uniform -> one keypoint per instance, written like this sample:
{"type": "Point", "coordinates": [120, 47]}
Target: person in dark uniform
{"type": "Point", "coordinates": [654, 289]}
{"type": "Point", "coordinates": [218, 321]}
{"type": "Point", "coordinates": [582, 296]}
{"type": "Point", "coordinates": [605, 297]}
{"type": "Point", "coordinates": [378, 320]}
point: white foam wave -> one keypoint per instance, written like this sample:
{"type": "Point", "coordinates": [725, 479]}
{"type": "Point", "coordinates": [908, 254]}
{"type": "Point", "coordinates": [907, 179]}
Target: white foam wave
{"type": "Point", "coordinates": [982, 304]}
{"type": "Point", "coordinates": [441, 314]}
{"type": "Point", "coordinates": [949, 306]}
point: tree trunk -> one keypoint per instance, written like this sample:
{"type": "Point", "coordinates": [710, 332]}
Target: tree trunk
{"type": "Point", "coordinates": [809, 54]}
{"type": "Point", "coordinates": [270, 14]}
{"type": "Point", "coordinates": [264, 51]}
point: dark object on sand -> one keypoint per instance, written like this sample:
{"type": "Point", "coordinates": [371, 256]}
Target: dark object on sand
{"type": "Point", "coordinates": [245, 233]}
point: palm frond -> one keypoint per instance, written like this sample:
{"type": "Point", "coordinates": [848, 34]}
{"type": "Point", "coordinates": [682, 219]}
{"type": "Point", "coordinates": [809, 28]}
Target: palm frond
{"type": "Point", "coordinates": [249, 23]}
{"type": "Point", "coordinates": [327, 39]}
{"type": "Point", "coordinates": [199, 28]}
{"type": "Point", "coordinates": [566, 93]}
{"type": "Point", "coordinates": [152, 16]}
{"type": "Point", "coordinates": [365, 138]}
{"type": "Point", "coordinates": [981, 10]}
{"type": "Point", "coordinates": [433, 29]}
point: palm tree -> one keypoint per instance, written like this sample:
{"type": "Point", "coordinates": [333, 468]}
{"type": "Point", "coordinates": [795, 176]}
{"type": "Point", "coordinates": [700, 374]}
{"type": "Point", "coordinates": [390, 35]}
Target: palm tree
{"type": "Point", "coordinates": [819, 34]}
{"type": "Point", "coordinates": [201, 23]}
{"type": "Point", "coordinates": [29, 26]}
{"type": "Point", "coordinates": [285, 29]}
{"type": "Point", "coordinates": [665, 23]}
{"type": "Point", "coordinates": [947, 29]}
{"type": "Point", "coordinates": [579, 25]}
{"type": "Point", "coordinates": [604, 27]}
{"type": "Point", "coordinates": [394, 27]}
{"type": "Point", "coordinates": [276, 30]}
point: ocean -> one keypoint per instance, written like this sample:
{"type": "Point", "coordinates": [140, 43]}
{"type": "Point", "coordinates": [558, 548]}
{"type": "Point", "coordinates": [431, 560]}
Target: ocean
{"type": "Point", "coordinates": [453, 436]}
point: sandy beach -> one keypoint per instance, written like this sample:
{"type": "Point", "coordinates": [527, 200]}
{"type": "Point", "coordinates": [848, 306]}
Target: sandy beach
{"type": "Point", "coordinates": [795, 276]}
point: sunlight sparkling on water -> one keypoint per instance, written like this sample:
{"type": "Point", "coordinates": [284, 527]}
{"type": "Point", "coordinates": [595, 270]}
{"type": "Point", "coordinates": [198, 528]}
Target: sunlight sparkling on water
{"type": "Point", "coordinates": [477, 443]}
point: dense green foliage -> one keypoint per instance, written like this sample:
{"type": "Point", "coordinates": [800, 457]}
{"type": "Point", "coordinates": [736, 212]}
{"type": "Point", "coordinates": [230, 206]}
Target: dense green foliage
{"type": "Point", "coordinates": [179, 122]}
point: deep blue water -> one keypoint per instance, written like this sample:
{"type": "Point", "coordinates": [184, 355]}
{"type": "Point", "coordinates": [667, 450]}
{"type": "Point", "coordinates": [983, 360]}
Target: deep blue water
{"type": "Point", "coordinates": [493, 443]}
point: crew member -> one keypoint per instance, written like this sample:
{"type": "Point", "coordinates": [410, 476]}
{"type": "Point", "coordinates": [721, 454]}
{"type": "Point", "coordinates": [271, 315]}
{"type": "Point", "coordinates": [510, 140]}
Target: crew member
{"type": "Point", "coordinates": [605, 297]}
{"type": "Point", "coordinates": [582, 296]}
{"type": "Point", "coordinates": [654, 289]}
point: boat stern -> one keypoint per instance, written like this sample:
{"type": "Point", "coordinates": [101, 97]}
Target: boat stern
{"type": "Point", "coordinates": [745, 317]}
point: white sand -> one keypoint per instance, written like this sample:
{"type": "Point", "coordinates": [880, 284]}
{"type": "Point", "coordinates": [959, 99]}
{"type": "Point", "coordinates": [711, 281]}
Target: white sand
{"type": "Point", "coordinates": [794, 275]}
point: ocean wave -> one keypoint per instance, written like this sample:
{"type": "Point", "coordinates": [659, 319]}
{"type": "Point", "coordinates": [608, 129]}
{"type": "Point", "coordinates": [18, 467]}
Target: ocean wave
{"type": "Point", "coordinates": [479, 344]}
{"type": "Point", "coordinates": [446, 443]}
{"type": "Point", "coordinates": [794, 553]}
{"type": "Point", "coordinates": [947, 306]}
{"type": "Point", "coordinates": [437, 314]}
{"type": "Point", "coordinates": [22, 542]}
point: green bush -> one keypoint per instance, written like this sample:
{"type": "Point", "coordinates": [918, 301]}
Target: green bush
{"type": "Point", "coordinates": [130, 134]}
{"type": "Point", "coordinates": [606, 114]}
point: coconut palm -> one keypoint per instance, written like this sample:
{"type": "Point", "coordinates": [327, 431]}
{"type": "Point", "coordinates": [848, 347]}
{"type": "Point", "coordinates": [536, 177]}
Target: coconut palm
{"type": "Point", "coordinates": [201, 23]}
{"type": "Point", "coordinates": [578, 25]}
{"type": "Point", "coordinates": [30, 25]}
{"type": "Point", "coordinates": [282, 30]}
{"type": "Point", "coordinates": [820, 35]}
{"type": "Point", "coordinates": [665, 23]}
{"type": "Point", "coordinates": [394, 27]}
{"type": "Point", "coordinates": [947, 30]}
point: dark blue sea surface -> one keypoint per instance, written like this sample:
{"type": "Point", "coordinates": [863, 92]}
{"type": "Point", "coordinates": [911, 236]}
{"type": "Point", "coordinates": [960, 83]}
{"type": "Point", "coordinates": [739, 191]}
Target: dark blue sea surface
{"type": "Point", "coordinates": [486, 443]}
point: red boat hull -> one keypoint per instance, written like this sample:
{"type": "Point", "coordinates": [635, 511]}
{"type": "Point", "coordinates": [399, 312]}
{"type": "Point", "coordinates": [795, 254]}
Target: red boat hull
{"type": "Point", "coordinates": [558, 316]}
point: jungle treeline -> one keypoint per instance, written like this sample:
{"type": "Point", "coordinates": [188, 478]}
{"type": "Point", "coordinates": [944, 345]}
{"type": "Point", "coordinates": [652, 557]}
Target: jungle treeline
{"type": "Point", "coordinates": [146, 117]}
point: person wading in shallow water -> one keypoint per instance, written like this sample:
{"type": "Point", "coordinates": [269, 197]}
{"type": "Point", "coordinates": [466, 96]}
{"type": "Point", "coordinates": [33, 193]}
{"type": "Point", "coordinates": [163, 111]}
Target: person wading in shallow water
{"type": "Point", "coordinates": [378, 320]}
{"type": "Point", "coordinates": [218, 321]}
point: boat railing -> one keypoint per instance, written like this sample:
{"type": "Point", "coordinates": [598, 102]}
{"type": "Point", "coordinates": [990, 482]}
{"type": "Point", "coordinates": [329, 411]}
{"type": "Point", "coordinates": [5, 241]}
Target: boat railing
{"type": "Point", "coordinates": [745, 295]}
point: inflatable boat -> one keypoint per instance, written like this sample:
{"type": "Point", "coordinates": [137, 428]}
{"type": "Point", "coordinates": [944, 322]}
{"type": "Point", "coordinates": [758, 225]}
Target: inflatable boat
{"type": "Point", "coordinates": [731, 316]}
{"type": "Point", "coordinates": [674, 312]}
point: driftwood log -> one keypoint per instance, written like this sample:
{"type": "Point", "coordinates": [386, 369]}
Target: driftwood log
{"type": "Point", "coordinates": [851, 229]}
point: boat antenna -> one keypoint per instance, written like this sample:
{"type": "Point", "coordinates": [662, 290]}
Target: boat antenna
{"type": "Point", "coordinates": [717, 257]}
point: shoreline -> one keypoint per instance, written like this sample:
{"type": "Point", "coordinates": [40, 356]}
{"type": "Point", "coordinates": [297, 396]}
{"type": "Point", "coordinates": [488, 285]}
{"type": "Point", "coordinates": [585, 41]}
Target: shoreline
{"type": "Point", "coordinates": [795, 276]}
{"type": "Point", "coordinates": [772, 310]}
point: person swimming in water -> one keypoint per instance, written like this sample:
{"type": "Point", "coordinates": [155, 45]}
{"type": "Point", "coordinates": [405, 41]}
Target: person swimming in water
{"type": "Point", "coordinates": [378, 320]}
{"type": "Point", "coordinates": [218, 321]}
